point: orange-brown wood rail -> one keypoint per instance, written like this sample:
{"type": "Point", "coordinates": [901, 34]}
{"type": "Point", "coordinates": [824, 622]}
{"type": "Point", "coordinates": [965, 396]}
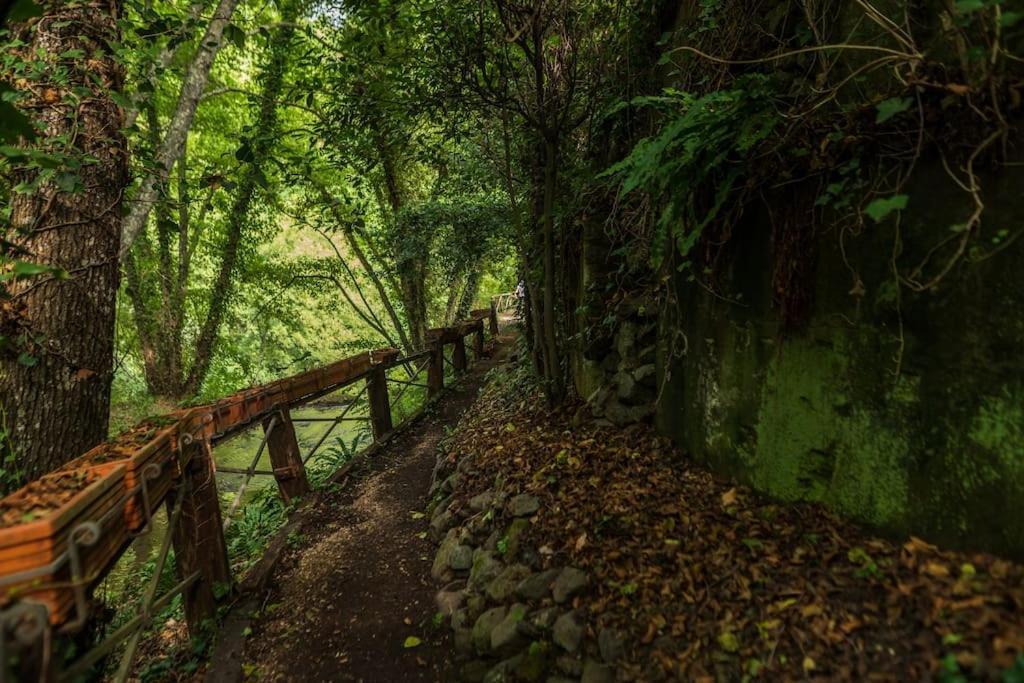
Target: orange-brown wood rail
{"type": "Point", "coordinates": [124, 482]}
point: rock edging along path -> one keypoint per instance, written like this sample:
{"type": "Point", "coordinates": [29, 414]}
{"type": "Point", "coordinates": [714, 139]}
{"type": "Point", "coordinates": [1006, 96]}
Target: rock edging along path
{"type": "Point", "coordinates": [352, 598]}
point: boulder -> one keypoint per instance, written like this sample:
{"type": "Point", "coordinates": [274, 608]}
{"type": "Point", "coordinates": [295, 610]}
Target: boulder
{"type": "Point", "coordinates": [504, 584]}
{"type": "Point", "coordinates": [537, 586]}
{"type": "Point", "coordinates": [523, 505]}
{"type": "Point", "coordinates": [485, 568]}
{"type": "Point", "coordinates": [449, 600]}
{"type": "Point", "coordinates": [442, 560]}
{"type": "Point", "coordinates": [570, 582]}
{"type": "Point", "coordinates": [544, 619]}
{"type": "Point", "coordinates": [567, 632]}
{"type": "Point", "coordinates": [611, 645]}
{"type": "Point", "coordinates": [533, 662]}
{"type": "Point", "coordinates": [504, 672]}
{"type": "Point", "coordinates": [474, 670]}
{"type": "Point", "coordinates": [461, 558]}
{"type": "Point", "coordinates": [596, 672]}
{"type": "Point", "coordinates": [481, 501]}
{"type": "Point", "coordinates": [505, 637]}
{"type": "Point", "coordinates": [485, 625]}
{"type": "Point", "coordinates": [512, 542]}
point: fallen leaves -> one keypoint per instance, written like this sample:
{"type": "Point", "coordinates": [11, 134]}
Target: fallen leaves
{"type": "Point", "coordinates": [712, 582]}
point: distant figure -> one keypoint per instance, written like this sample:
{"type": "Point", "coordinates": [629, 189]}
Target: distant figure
{"type": "Point", "coordinates": [521, 290]}
{"type": "Point", "coordinates": [521, 300]}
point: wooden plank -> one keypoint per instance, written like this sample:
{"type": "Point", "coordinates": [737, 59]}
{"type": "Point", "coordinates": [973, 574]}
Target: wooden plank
{"type": "Point", "coordinates": [478, 341]}
{"type": "Point", "coordinates": [285, 456]}
{"type": "Point", "coordinates": [494, 319]}
{"type": "Point", "coordinates": [198, 539]}
{"type": "Point", "coordinates": [380, 403]}
{"type": "Point", "coordinates": [459, 360]}
{"type": "Point", "coordinates": [435, 370]}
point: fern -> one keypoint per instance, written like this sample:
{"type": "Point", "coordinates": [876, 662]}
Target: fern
{"type": "Point", "coordinates": [703, 143]}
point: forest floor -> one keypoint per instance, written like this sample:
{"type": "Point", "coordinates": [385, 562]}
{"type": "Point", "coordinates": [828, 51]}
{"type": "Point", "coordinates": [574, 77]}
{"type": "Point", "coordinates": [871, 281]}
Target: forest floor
{"type": "Point", "coordinates": [697, 579]}
{"type": "Point", "coordinates": [693, 578]}
{"type": "Point", "coordinates": [351, 598]}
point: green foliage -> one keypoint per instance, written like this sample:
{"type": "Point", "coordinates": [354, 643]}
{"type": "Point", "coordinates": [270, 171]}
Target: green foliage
{"type": "Point", "coordinates": [703, 141]}
{"type": "Point", "coordinates": [879, 209]}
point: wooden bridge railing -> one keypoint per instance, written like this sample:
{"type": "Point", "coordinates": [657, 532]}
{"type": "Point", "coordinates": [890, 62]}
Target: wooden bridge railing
{"type": "Point", "coordinates": [61, 535]}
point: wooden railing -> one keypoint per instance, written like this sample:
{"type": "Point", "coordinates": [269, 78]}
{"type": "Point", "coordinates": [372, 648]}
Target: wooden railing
{"type": "Point", "coordinates": [61, 535]}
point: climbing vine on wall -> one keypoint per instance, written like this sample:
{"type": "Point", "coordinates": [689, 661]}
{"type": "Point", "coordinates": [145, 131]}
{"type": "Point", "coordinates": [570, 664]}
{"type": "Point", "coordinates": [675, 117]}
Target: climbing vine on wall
{"type": "Point", "coordinates": [851, 97]}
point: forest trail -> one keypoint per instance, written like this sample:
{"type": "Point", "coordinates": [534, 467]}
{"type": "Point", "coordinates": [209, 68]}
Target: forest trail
{"type": "Point", "coordinates": [355, 582]}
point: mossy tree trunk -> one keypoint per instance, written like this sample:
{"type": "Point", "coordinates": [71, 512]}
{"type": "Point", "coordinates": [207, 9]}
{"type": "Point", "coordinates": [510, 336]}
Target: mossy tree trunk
{"type": "Point", "coordinates": [55, 382]}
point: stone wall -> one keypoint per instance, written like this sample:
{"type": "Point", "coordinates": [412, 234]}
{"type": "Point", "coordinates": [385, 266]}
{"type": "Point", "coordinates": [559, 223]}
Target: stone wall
{"type": "Point", "coordinates": [902, 410]}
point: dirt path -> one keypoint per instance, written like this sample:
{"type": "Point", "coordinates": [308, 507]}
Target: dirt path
{"type": "Point", "coordinates": [355, 585]}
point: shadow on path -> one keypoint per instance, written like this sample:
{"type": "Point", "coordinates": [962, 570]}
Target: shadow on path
{"type": "Point", "coordinates": [355, 582]}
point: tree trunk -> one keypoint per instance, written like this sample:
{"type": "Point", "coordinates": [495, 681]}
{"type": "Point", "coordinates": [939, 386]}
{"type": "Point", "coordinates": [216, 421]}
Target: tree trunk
{"type": "Point", "coordinates": [261, 146]}
{"type": "Point", "coordinates": [59, 407]}
{"type": "Point", "coordinates": [552, 359]}
{"type": "Point", "coordinates": [371, 272]}
{"type": "Point", "coordinates": [173, 146]}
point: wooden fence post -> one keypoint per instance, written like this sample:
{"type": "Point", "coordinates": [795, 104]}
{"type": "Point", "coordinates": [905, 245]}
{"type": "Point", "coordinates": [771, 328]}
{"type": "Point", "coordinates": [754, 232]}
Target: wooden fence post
{"type": "Point", "coordinates": [435, 370]}
{"type": "Point", "coordinates": [380, 403]}
{"type": "Point", "coordinates": [478, 340]}
{"type": "Point", "coordinates": [494, 319]}
{"type": "Point", "coordinates": [459, 361]}
{"type": "Point", "coordinates": [198, 539]}
{"type": "Point", "coordinates": [285, 457]}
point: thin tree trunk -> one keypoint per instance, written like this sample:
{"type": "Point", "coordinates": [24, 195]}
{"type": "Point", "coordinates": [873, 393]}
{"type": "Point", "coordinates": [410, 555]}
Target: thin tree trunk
{"type": "Point", "coordinates": [262, 144]}
{"type": "Point", "coordinates": [59, 407]}
{"type": "Point", "coordinates": [551, 356]}
{"type": "Point", "coordinates": [174, 140]}
{"type": "Point", "coordinates": [371, 272]}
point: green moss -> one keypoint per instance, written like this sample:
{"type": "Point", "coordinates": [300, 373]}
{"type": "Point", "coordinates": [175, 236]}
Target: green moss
{"type": "Point", "coordinates": [814, 444]}
{"type": "Point", "coordinates": [999, 427]}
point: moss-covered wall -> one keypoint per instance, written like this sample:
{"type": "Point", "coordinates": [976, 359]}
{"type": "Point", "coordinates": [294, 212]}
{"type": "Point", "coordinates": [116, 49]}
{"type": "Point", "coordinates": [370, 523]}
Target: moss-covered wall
{"type": "Point", "coordinates": [903, 410]}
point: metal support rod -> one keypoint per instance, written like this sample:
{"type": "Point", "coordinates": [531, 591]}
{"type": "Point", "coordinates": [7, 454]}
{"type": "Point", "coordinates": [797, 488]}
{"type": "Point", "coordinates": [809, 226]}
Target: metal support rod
{"type": "Point", "coordinates": [147, 599]}
{"type": "Point", "coordinates": [249, 473]}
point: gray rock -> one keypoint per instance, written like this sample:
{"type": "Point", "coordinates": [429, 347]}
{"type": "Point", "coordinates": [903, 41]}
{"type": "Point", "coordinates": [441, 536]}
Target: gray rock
{"type": "Point", "coordinates": [570, 582]}
{"type": "Point", "coordinates": [485, 568]}
{"type": "Point", "coordinates": [475, 606]}
{"type": "Point", "coordinates": [512, 541]}
{"type": "Point", "coordinates": [460, 558]}
{"type": "Point", "coordinates": [611, 645]}
{"type": "Point", "coordinates": [482, 501]}
{"type": "Point", "coordinates": [620, 414]}
{"type": "Point", "coordinates": [545, 618]}
{"type": "Point", "coordinates": [625, 384]}
{"type": "Point", "coordinates": [474, 671]}
{"type": "Point", "coordinates": [462, 640]}
{"type": "Point", "coordinates": [645, 373]}
{"type": "Point", "coordinates": [504, 672]}
{"type": "Point", "coordinates": [504, 584]}
{"type": "Point", "coordinates": [533, 662]}
{"type": "Point", "coordinates": [537, 586]}
{"type": "Point", "coordinates": [460, 619]}
{"type": "Point", "coordinates": [595, 672]}
{"type": "Point", "coordinates": [570, 665]}
{"type": "Point", "coordinates": [485, 625]}
{"type": "Point", "coordinates": [523, 505]}
{"type": "Point", "coordinates": [449, 601]}
{"type": "Point", "coordinates": [567, 632]}
{"type": "Point", "coordinates": [505, 637]}
{"type": "Point", "coordinates": [443, 558]}
{"type": "Point", "coordinates": [440, 524]}
{"type": "Point", "coordinates": [449, 484]}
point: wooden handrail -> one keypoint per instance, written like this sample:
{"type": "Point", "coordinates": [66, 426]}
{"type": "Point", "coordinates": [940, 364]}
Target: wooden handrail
{"type": "Point", "coordinates": [171, 456]}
